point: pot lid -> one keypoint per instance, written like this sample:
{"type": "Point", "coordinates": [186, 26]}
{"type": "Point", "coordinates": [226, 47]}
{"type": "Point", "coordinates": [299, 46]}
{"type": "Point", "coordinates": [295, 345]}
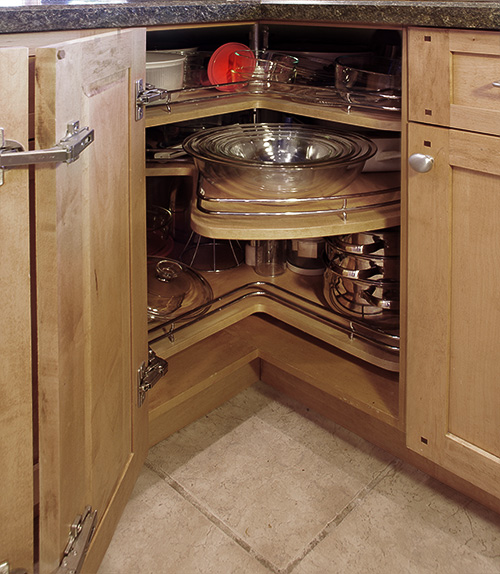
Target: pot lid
{"type": "Point", "coordinates": [174, 289]}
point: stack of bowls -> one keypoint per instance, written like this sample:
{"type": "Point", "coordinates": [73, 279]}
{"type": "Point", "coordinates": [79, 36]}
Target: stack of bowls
{"type": "Point", "coordinates": [277, 161]}
{"type": "Point", "coordinates": [262, 71]}
{"type": "Point", "coordinates": [361, 279]}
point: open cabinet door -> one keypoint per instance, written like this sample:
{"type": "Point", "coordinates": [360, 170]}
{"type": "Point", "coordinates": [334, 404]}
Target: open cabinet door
{"type": "Point", "coordinates": [91, 288]}
{"type": "Point", "coordinates": [16, 452]}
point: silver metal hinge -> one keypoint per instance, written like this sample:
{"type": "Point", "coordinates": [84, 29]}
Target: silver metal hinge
{"type": "Point", "coordinates": [148, 375]}
{"type": "Point", "coordinates": [146, 95]}
{"type": "Point", "coordinates": [12, 153]}
{"type": "Point", "coordinates": [5, 569]}
{"type": "Point", "coordinates": [80, 536]}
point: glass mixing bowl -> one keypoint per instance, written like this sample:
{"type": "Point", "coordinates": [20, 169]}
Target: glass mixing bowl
{"type": "Point", "coordinates": [278, 161]}
{"type": "Point", "coordinates": [369, 80]}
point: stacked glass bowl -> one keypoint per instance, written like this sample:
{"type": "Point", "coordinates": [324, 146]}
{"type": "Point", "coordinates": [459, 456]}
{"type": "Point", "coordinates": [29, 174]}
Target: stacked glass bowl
{"type": "Point", "coordinates": [277, 161]}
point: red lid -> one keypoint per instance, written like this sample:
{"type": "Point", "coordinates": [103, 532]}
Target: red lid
{"type": "Point", "coordinates": [219, 66]}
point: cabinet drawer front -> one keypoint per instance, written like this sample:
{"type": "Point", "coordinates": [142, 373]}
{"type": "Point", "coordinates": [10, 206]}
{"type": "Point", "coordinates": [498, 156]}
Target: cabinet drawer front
{"type": "Point", "coordinates": [452, 77]}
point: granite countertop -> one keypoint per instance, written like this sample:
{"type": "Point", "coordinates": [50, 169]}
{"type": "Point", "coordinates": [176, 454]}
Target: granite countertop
{"type": "Point", "coordinates": [46, 15]}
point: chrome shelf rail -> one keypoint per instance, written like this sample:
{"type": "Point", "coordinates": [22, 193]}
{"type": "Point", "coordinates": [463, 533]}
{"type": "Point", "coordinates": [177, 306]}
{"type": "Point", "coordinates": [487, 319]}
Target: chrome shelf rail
{"type": "Point", "coordinates": [386, 341]}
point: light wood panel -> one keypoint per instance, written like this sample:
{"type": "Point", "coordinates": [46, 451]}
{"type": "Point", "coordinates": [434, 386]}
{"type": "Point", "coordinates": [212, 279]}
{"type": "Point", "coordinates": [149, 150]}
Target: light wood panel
{"type": "Point", "coordinates": [294, 225]}
{"type": "Point", "coordinates": [16, 446]}
{"type": "Point", "coordinates": [199, 379]}
{"type": "Point", "coordinates": [218, 363]}
{"type": "Point", "coordinates": [91, 446]}
{"type": "Point", "coordinates": [451, 78]}
{"type": "Point", "coordinates": [132, 198]}
{"type": "Point", "coordinates": [223, 104]}
{"type": "Point", "coordinates": [349, 380]}
{"type": "Point", "coordinates": [34, 40]}
{"type": "Point", "coordinates": [404, 226]}
{"type": "Point", "coordinates": [453, 314]}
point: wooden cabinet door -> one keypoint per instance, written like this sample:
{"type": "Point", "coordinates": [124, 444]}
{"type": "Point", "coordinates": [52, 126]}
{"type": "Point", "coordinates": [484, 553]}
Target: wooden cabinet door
{"type": "Point", "coordinates": [16, 453]}
{"type": "Point", "coordinates": [453, 343]}
{"type": "Point", "coordinates": [454, 78]}
{"type": "Point", "coordinates": [91, 287]}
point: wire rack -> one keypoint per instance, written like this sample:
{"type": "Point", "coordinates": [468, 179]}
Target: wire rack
{"type": "Point", "coordinates": [319, 95]}
{"type": "Point", "coordinates": [343, 204]}
{"type": "Point", "coordinates": [377, 338]}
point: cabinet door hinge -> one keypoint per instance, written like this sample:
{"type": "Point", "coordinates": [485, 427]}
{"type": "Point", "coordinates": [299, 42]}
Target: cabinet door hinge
{"type": "Point", "coordinates": [12, 153]}
{"type": "Point", "coordinates": [146, 95]}
{"type": "Point", "coordinates": [5, 569]}
{"type": "Point", "coordinates": [80, 535]}
{"type": "Point", "coordinates": [148, 375]}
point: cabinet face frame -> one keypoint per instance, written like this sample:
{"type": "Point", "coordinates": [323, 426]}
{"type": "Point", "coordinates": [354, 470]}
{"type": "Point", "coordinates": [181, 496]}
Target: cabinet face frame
{"type": "Point", "coordinates": [453, 405]}
{"type": "Point", "coordinates": [16, 448]}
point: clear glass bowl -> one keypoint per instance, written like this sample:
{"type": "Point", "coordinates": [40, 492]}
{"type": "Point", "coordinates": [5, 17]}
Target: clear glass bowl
{"type": "Point", "coordinates": [278, 160]}
{"type": "Point", "coordinates": [262, 71]}
{"type": "Point", "coordinates": [369, 80]}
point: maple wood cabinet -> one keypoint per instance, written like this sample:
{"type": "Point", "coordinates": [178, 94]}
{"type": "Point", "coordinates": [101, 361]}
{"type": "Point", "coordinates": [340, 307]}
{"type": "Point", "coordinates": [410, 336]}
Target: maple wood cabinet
{"type": "Point", "coordinates": [71, 238]}
{"type": "Point", "coordinates": [84, 334]}
{"type": "Point", "coordinates": [453, 239]}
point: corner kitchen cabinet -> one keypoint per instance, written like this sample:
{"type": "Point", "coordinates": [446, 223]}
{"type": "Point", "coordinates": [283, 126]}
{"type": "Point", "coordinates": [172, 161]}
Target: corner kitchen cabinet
{"type": "Point", "coordinates": [85, 268]}
{"type": "Point", "coordinates": [453, 388]}
{"type": "Point", "coordinates": [75, 235]}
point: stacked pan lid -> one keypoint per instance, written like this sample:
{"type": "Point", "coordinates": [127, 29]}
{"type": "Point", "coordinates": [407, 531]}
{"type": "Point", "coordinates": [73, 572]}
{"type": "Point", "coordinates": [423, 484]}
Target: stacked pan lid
{"type": "Point", "coordinates": [362, 276]}
{"type": "Point", "coordinates": [278, 160]}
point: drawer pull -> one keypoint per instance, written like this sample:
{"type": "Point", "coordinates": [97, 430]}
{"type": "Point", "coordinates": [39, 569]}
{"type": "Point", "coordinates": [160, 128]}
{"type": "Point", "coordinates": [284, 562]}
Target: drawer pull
{"type": "Point", "coordinates": [496, 84]}
{"type": "Point", "coordinates": [421, 162]}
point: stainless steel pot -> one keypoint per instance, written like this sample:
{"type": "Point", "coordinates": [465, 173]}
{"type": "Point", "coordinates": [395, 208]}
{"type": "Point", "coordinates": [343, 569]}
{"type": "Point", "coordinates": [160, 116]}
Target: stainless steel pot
{"type": "Point", "coordinates": [370, 268]}
{"type": "Point", "coordinates": [361, 279]}
{"type": "Point", "coordinates": [373, 302]}
{"type": "Point", "coordinates": [384, 242]}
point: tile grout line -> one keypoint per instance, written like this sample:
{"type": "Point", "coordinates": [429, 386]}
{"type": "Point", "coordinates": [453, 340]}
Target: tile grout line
{"type": "Point", "coordinates": [210, 516]}
{"type": "Point", "coordinates": [358, 498]}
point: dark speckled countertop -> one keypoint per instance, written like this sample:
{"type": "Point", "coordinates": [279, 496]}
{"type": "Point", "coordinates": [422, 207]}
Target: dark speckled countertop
{"type": "Point", "coordinates": [45, 15]}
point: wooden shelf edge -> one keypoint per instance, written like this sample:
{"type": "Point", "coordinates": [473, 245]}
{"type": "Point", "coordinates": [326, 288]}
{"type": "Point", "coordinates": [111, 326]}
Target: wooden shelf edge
{"type": "Point", "coordinates": [201, 384]}
{"type": "Point", "coordinates": [170, 168]}
{"type": "Point", "coordinates": [359, 216]}
{"type": "Point", "coordinates": [245, 308]}
{"type": "Point", "coordinates": [228, 103]}
{"type": "Point", "coordinates": [213, 356]}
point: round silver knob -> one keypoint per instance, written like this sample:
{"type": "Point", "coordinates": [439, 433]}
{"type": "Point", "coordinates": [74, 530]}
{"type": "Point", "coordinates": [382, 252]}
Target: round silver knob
{"type": "Point", "coordinates": [421, 162]}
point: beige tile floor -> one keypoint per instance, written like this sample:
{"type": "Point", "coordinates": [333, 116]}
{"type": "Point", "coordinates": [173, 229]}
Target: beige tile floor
{"type": "Point", "coordinates": [263, 485]}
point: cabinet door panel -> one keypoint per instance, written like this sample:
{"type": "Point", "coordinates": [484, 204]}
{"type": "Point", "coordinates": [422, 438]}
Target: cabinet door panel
{"type": "Point", "coordinates": [452, 76]}
{"type": "Point", "coordinates": [91, 290]}
{"type": "Point", "coordinates": [16, 452]}
{"type": "Point", "coordinates": [474, 392]}
{"type": "Point", "coordinates": [453, 305]}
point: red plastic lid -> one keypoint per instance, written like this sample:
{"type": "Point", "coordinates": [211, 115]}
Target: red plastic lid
{"type": "Point", "coordinates": [219, 66]}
